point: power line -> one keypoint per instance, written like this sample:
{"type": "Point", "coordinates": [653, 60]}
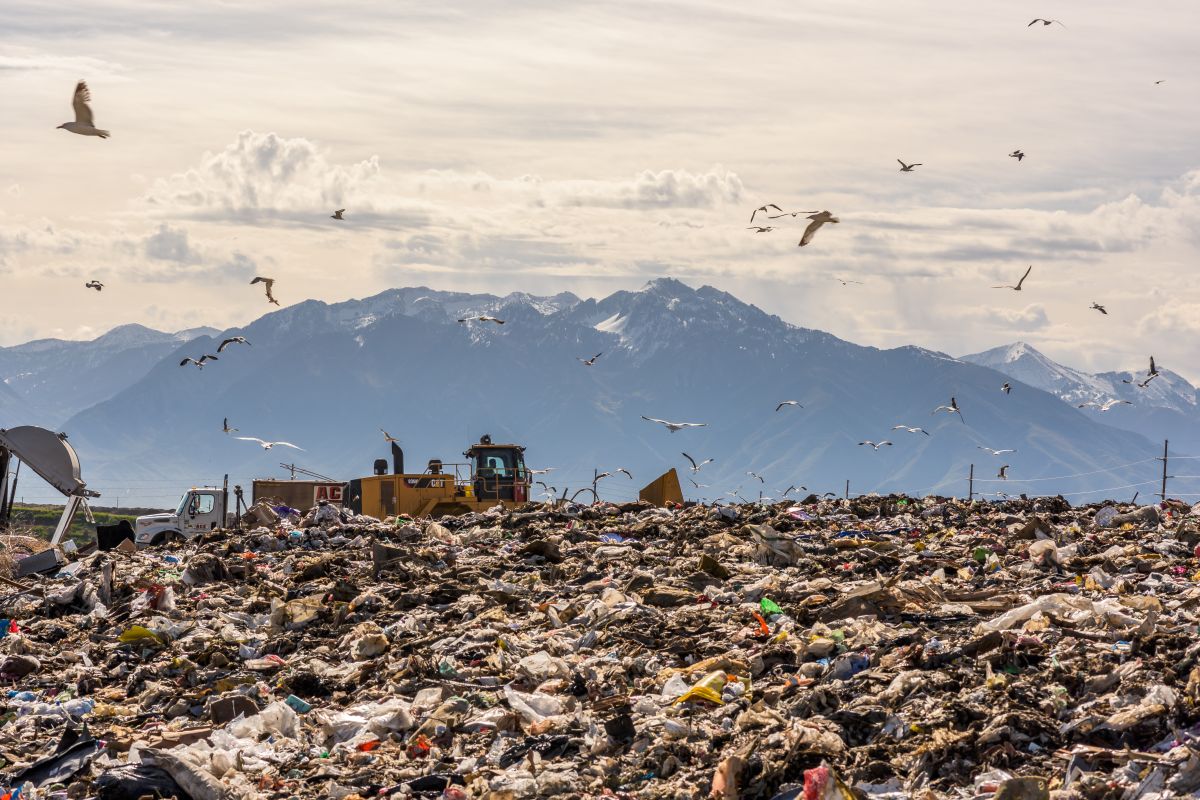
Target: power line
{"type": "Point", "coordinates": [1111, 488]}
{"type": "Point", "coordinates": [1065, 477]}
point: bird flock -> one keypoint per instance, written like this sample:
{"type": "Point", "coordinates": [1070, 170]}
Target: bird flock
{"type": "Point", "coordinates": [84, 124]}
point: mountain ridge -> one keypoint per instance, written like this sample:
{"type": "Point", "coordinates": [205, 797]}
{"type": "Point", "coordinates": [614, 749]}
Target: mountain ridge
{"type": "Point", "coordinates": [328, 376]}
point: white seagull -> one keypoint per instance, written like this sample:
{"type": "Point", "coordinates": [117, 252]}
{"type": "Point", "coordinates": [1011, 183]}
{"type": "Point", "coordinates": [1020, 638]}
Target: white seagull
{"type": "Point", "coordinates": [1105, 406]}
{"type": "Point", "coordinates": [266, 445]}
{"type": "Point", "coordinates": [225, 427]}
{"type": "Point", "coordinates": [763, 209]}
{"type": "Point", "coordinates": [818, 220]}
{"type": "Point", "coordinates": [1017, 288]}
{"type": "Point", "coordinates": [910, 430]}
{"type": "Point", "coordinates": [268, 285]}
{"type": "Point", "coordinates": [675, 426]}
{"type": "Point", "coordinates": [204, 359]}
{"type": "Point", "coordinates": [756, 475]}
{"type": "Point", "coordinates": [993, 452]}
{"type": "Point", "coordinates": [876, 445]}
{"type": "Point", "coordinates": [1006, 388]}
{"type": "Point", "coordinates": [696, 467]}
{"type": "Point", "coordinates": [484, 318]}
{"type": "Point", "coordinates": [83, 124]}
{"type": "Point", "coordinates": [231, 340]}
{"type": "Point", "coordinates": [908, 167]}
{"type": "Point", "coordinates": [97, 285]}
{"type": "Point", "coordinates": [387, 437]}
{"type": "Point", "coordinates": [788, 403]}
{"type": "Point", "coordinates": [588, 362]}
{"type": "Point", "coordinates": [950, 409]}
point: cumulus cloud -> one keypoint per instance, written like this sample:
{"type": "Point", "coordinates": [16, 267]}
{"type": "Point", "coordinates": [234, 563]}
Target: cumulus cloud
{"type": "Point", "coordinates": [169, 244]}
{"type": "Point", "coordinates": [264, 171]}
{"type": "Point", "coordinates": [649, 189]}
{"type": "Point", "coordinates": [663, 189]}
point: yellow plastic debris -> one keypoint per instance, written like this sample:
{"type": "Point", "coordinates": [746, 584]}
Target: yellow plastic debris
{"type": "Point", "coordinates": [139, 635]}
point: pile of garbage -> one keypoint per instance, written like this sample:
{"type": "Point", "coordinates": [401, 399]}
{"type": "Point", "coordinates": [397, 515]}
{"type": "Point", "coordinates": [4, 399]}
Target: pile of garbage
{"type": "Point", "coordinates": [878, 647]}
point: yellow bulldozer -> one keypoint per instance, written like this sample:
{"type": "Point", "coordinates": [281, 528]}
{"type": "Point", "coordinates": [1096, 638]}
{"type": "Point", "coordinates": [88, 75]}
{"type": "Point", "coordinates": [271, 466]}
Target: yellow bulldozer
{"type": "Point", "coordinates": [493, 474]}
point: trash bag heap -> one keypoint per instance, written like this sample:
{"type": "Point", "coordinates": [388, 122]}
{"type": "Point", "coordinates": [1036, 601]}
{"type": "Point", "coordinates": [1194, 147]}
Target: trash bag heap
{"type": "Point", "coordinates": [878, 647]}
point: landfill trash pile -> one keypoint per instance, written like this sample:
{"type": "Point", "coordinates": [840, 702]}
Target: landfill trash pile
{"type": "Point", "coordinates": [881, 647]}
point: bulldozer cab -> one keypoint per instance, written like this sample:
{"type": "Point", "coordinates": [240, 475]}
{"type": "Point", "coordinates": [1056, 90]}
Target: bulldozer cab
{"type": "Point", "coordinates": [498, 471]}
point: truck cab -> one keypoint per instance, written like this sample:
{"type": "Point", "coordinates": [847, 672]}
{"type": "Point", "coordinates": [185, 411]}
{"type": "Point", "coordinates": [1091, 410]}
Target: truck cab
{"type": "Point", "coordinates": [498, 471]}
{"type": "Point", "coordinates": [200, 509]}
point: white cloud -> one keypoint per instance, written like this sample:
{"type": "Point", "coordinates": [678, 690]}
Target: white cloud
{"type": "Point", "coordinates": [264, 171]}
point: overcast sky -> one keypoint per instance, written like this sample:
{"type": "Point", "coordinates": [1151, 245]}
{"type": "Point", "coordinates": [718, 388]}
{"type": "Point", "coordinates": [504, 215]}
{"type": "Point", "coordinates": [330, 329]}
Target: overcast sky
{"type": "Point", "coordinates": [546, 146]}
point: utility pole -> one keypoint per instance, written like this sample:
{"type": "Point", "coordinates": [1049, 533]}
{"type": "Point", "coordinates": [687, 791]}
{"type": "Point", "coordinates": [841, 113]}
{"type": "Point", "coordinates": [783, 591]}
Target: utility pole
{"type": "Point", "coordinates": [1163, 495]}
{"type": "Point", "coordinates": [847, 488]}
{"type": "Point", "coordinates": [971, 484]}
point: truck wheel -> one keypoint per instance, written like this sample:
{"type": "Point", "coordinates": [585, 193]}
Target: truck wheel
{"type": "Point", "coordinates": [166, 537]}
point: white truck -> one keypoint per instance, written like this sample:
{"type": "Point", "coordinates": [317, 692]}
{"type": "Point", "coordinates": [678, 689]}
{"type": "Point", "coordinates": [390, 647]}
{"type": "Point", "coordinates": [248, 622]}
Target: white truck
{"type": "Point", "coordinates": [201, 509]}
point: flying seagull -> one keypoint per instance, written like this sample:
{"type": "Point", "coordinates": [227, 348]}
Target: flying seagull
{"type": "Point", "coordinates": [760, 228]}
{"type": "Point", "coordinates": [756, 475]}
{"type": "Point", "coordinates": [792, 214]}
{"type": "Point", "coordinates": [788, 403]}
{"type": "Point", "coordinates": [699, 485]}
{"type": "Point", "coordinates": [1100, 308]}
{"type": "Point", "coordinates": [1153, 369]}
{"type": "Point", "coordinates": [818, 220]}
{"type": "Point", "coordinates": [225, 427]}
{"type": "Point", "coordinates": [338, 214]}
{"type": "Point", "coordinates": [1003, 473]}
{"type": "Point", "coordinates": [696, 467]}
{"type": "Point", "coordinates": [204, 359]}
{"type": "Point", "coordinates": [793, 489]}
{"type": "Point", "coordinates": [1017, 288]}
{"type": "Point", "coordinates": [97, 285]}
{"type": "Point", "coordinates": [625, 472]}
{"type": "Point", "coordinates": [387, 437]}
{"type": "Point", "coordinates": [845, 281]}
{"type": "Point", "coordinates": [267, 283]}
{"type": "Point", "coordinates": [1045, 22]}
{"type": "Point", "coordinates": [950, 409]}
{"type": "Point", "coordinates": [231, 340]}
{"type": "Point", "coordinates": [545, 471]}
{"type": "Point", "coordinates": [587, 362]}
{"type": "Point", "coordinates": [1017, 154]}
{"type": "Point", "coordinates": [676, 426]}
{"type": "Point", "coordinates": [1140, 384]}
{"type": "Point", "coordinates": [1006, 388]}
{"type": "Point", "coordinates": [1164, 80]}
{"type": "Point", "coordinates": [910, 430]}
{"type": "Point", "coordinates": [266, 445]}
{"type": "Point", "coordinates": [483, 318]}
{"type": "Point", "coordinates": [994, 452]}
{"type": "Point", "coordinates": [908, 167]}
{"type": "Point", "coordinates": [1105, 406]}
{"type": "Point", "coordinates": [83, 124]}
{"type": "Point", "coordinates": [764, 210]}
{"type": "Point", "coordinates": [876, 445]}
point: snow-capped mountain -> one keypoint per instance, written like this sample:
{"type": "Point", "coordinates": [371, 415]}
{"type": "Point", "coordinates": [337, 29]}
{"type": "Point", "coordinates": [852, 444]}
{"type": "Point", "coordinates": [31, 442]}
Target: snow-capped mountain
{"type": "Point", "coordinates": [1168, 407]}
{"type": "Point", "coordinates": [327, 377]}
{"type": "Point", "coordinates": [48, 380]}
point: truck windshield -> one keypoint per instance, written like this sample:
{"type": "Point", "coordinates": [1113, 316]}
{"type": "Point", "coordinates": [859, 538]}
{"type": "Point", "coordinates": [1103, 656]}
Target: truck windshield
{"type": "Point", "coordinates": [183, 504]}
